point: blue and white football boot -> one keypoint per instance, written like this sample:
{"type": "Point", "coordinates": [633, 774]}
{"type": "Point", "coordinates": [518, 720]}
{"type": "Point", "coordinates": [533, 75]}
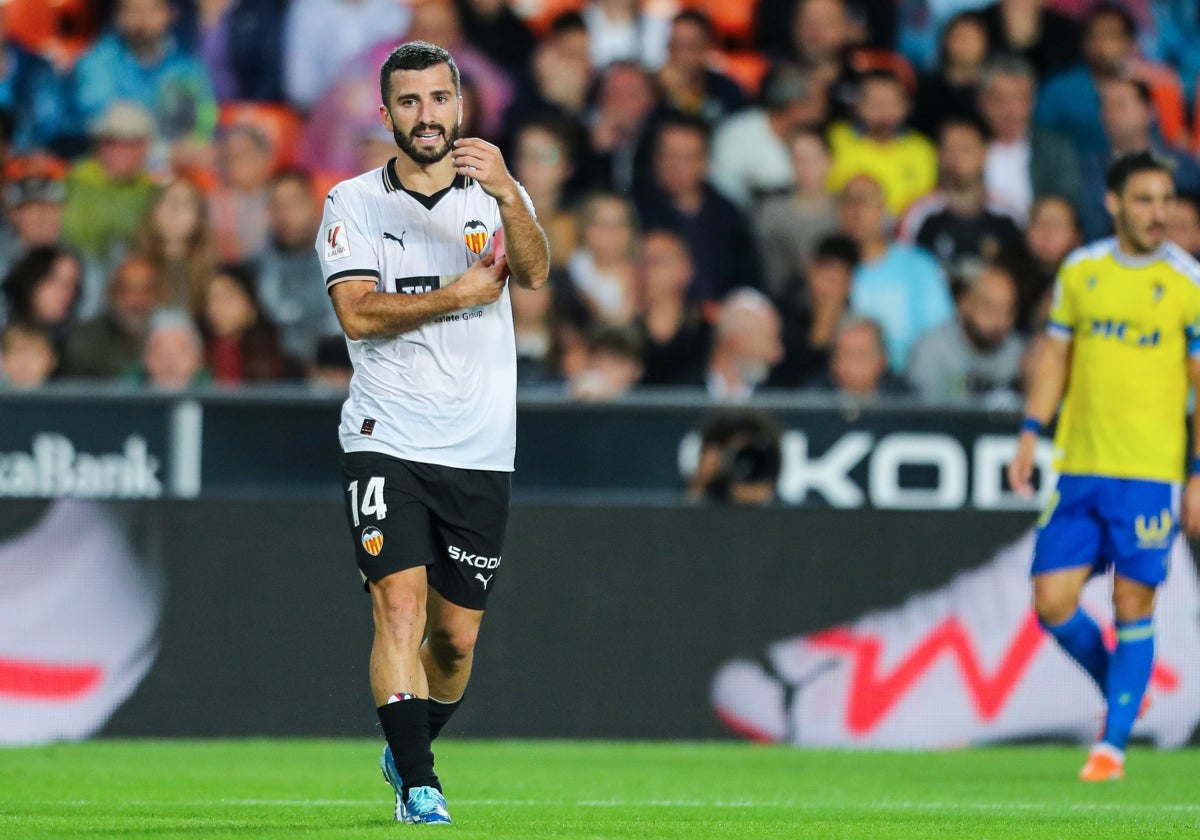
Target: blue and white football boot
{"type": "Point", "coordinates": [392, 775]}
{"type": "Point", "coordinates": [427, 806]}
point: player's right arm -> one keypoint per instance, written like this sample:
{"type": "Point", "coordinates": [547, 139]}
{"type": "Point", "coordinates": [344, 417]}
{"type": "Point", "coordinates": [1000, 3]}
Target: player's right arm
{"type": "Point", "coordinates": [1045, 393]}
{"type": "Point", "coordinates": [1047, 386]}
{"type": "Point", "coordinates": [366, 313]}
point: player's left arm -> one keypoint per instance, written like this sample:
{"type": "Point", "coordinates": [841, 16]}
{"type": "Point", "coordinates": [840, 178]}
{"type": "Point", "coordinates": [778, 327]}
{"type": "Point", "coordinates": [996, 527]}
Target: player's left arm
{"type": "Point", "coordinates": [525, 242]}
{"type": "Point", "coordinates": [1191, 490]}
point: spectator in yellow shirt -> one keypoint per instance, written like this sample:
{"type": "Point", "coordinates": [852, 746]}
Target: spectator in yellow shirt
{"type": "Point", "coordinates": [878, 143]}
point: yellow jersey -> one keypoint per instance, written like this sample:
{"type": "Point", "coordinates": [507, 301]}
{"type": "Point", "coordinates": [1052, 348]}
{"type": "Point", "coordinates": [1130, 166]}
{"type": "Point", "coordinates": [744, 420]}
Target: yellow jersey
{"type": "Point", "coordinates": [1132, 322]}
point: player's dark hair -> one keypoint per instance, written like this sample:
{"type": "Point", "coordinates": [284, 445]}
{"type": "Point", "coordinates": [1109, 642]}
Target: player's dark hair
{"type": "Point", "coordinates": [415, 55]}
{"type": "Point", "coordinates": [697, 17]}
{"type": "Point", "coordinates": [1127, 165]}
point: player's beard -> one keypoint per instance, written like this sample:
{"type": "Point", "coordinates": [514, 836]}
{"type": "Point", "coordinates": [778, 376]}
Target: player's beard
{"type": "Point", "coordinates": [408, 145]}
{"type": "Point", "coordinates": [1142, 239]}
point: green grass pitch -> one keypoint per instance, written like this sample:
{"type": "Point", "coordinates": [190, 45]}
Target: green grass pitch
{"type": "Point", "coordinates": [504, 789]}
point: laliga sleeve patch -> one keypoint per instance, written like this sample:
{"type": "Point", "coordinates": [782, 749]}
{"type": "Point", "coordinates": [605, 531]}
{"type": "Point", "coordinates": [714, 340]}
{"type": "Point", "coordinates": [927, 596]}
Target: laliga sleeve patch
{"type": "Point", "coordinates": [337, 244]}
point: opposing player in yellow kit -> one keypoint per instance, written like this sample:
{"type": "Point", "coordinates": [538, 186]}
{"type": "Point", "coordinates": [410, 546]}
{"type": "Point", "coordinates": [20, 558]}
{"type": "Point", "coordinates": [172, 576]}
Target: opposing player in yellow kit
{"type": "Point", "coordinates": [1125, 343]}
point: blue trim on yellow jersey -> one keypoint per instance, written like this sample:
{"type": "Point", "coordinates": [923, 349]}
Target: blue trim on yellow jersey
{"type": "Point", "coordinates": [1194, 346]}
{"type": "Point", "coordinates": [1059, 330]}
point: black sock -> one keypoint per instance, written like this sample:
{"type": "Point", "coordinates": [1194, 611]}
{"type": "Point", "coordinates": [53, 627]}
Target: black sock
{"type": "Point", "coordinates": [440, 712]}
{"type": "Point", "coordinates": [406, 727]}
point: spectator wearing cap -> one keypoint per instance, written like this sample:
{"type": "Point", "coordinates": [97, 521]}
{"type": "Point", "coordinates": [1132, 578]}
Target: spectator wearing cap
{"type": "Point", "coordinates": [109, 345]}
{"type": "Point", "coordinates": [32, 92]}
{"type": "Point", "coordinates": [109, 191]}
{"type": "Point", "coordinates": [750, 157]}
{"type": "Point", "coordinates": [139, 61]}
{"type": "Point", "coordinates": [34, 204]}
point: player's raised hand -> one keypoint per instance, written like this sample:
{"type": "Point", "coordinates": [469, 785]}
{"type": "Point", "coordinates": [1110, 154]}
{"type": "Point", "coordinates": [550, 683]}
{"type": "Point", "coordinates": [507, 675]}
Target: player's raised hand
{"type": "Point", "coordinates": [483, 282]}
{"type": "Point", "coordinates": [482, 161]}
{"type": "Point", "coordinates": [1020, 468]}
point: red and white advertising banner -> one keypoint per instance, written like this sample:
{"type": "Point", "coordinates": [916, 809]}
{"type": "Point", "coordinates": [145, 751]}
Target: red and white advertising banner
{"type": "Point", "coordinates": [965, 664]}
{"type": "Point", "coordinates": [79, 617]}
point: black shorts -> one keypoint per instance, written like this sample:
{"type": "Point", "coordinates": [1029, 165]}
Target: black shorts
{"type": "Point", "coordinates": [404, 514]}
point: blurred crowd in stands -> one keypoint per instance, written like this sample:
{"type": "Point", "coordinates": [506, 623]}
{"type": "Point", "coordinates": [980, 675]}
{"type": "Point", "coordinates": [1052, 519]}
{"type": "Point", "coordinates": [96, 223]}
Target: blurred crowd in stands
{"type": "Point", "coordinates": [865, 197]}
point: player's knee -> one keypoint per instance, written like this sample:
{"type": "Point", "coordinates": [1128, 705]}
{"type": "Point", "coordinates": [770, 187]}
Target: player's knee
{"type": "Point", "coordinates": [452, 646]}
{"type": "Point", "coordinates": [1054, 604]}
{"type": "Point", "coordinates": [1132, 600]}
{"type": "Point", "coordinates": [399, 610]}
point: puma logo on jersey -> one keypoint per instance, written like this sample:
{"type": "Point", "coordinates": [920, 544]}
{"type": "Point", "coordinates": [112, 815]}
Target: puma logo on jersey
{"type": "Point", "coordinates": [485, 580]}
{"type": "Point", "coordinates": [395, 238]}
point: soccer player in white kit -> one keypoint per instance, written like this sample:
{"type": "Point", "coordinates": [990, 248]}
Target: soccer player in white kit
{"type": "Point", "coordinates": [416, 258]}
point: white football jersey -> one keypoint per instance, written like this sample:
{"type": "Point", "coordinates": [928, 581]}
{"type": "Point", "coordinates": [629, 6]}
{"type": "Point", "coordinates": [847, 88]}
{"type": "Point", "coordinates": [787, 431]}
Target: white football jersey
{"type": "Point", "coordinates": [444, 393]}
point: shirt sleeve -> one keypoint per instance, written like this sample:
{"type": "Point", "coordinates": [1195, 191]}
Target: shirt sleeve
{"type": "Point", "coordinates": [343, 246]}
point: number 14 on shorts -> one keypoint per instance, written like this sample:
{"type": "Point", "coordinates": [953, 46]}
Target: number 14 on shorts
{"type": "Point", "coordinates": [372, 500]}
